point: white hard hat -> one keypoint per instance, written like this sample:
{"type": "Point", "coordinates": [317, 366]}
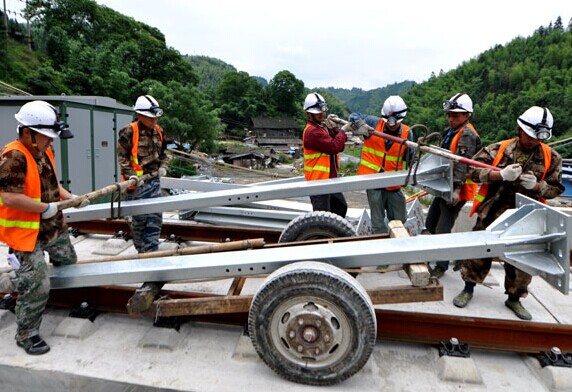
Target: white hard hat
{"type": "Point", "coordinates": [394, 110]}
{"type": "Point", "coordinates": [536, 122]}
{"type": "Point", "coordinates": [148, 106]}
{"type": "Point", "coordinates": [315, 103]}
{"type": "Point", "coordinates": [41, 117]}
{"type": "Point", "coordinates": [460, 102]}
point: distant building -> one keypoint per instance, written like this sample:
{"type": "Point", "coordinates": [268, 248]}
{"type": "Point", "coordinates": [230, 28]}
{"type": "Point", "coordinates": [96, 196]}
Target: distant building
{"type": "Point", "coordinates": [279, 133]}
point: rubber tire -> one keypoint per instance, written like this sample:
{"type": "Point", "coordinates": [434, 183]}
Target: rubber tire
{"type": "Point", "coordinates": [317, 225]}
{"type": "Point", "coordinates": [324, 284]}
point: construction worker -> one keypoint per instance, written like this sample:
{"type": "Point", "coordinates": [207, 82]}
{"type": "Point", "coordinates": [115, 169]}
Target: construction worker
{"type": "Point", "coordinates": [529, 167]}
{"type": "Point", "coordinates": [380, 155]}
{"type": "Point", "coordinates": [462, 139]}
{"type": "Point", "coordinates": [141, 150]}
{"type": "Point", "coordinates": [30, 223]}
{"type": "Point", "coordinates": [323, 141]}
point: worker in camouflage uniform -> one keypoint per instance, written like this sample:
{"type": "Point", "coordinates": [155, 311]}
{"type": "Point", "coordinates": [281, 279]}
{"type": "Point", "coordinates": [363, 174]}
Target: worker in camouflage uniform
{"type": "Point", "coordinates": [462, 139]}
{"type": "Point", "coordinates": [141, 150]}
{"type": "Point", "coordinates": [30, 223]}
{"type": "Point", "coordinates": [529, 167]}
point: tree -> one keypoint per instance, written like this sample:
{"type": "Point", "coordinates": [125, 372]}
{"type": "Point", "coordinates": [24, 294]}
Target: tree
{"type": "Point", "coordinates": [286, 93]}
{"type": "Point", "coordinates": [189, 116]}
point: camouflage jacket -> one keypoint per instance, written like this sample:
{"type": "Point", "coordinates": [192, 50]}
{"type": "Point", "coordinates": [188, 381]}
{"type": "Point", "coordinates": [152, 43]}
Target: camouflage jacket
{"type": "Point", "coordinates": [151, 150]}
{"type": "Point", "coordinates": [13, 170]}
{"type": "Point", "coordinates": [501, 194]}
{"type": "Point", "coordinates": [469, 144]}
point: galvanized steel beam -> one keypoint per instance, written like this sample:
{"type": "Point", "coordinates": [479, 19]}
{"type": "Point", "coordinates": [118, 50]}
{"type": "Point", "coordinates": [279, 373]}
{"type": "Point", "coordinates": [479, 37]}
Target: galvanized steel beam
{"type": "Point", "coordinates": [433, 174]}
{"type": "Point", "coordinates": [513, 235]}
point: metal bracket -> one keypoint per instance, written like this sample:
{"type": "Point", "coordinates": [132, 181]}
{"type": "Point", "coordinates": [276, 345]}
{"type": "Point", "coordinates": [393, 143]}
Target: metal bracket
{"type": "Point", "coordinates": [554, 357]}
{"type": "Point", "coordinates": [122, 235]}
{"type": "Point", "coordinates": [453, 348]}
{"type": "Point", "coordinates": [8, 303]}
{"type": "Point", "coordinates": [84, 311]}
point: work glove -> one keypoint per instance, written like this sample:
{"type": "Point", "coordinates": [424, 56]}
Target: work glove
{"type": "Point", "coordinates": [334, 118]}
{"type": "Point", "coordinates": [528, 180]}
{"type": "Point", "coordinates": [511, 172]}
{"type": "Point", "coordinates": [51, 211]}
{"type": "Point", "coordinates": [84, 202]}
{"type": "Point", "coordinates": [162, 172]}
{"type": "Point", "coordinates": [349, 127]}
{"type": "Point", "coordinates": [137, 179]}
{"type": "Point", "coordinates": [330, 124]}
{"type": "Point", "coordinates": [361, 128]}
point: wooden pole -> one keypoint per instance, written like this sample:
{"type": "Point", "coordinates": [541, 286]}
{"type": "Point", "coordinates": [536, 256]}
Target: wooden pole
{"type": "Point", "coordinates": [107, 190]}
{"type": "Point", "coordinates": [190, 250]}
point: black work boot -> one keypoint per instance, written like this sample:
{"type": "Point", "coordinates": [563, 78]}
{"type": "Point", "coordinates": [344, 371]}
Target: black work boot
{"type": "Point", "coordinates": [34, 345]}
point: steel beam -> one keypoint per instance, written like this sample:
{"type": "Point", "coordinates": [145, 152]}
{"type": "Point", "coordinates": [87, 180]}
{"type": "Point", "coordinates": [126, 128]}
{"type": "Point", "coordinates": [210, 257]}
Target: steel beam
{"type": "Point", "coordinates": [433, 174]}
{"type": "Point", "coordinates": [515, 233]}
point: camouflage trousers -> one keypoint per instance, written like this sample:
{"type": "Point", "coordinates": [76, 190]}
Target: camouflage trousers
{"type": "Point", "coordinates": [33, 282]}
{"type": "Point", "coordinates": [146, 229]}
{"type": "Point", "coordinates": [476, 270]}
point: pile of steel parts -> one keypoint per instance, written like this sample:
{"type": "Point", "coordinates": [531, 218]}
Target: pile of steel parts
{"type": "Point", "coordinates": [310, 320]}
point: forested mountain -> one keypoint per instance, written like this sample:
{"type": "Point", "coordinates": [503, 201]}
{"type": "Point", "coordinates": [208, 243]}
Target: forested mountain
{"type": "Point", "coordinates": [81, 48]}
{"type": "Point", "coordinates": [503, 82]}
{"type": "Point", "coordinates": [358, 100]}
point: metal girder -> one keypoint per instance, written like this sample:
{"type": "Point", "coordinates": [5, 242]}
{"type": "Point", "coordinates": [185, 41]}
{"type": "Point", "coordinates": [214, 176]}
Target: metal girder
{"type": "Point", "coordinates": [515, 233]}
{"type": "Point", "coordinates": [433, 173]}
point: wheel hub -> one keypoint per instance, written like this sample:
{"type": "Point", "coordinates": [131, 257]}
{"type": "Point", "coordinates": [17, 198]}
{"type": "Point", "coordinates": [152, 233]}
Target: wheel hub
{"type": "Point", "coordinates": [309, 331]}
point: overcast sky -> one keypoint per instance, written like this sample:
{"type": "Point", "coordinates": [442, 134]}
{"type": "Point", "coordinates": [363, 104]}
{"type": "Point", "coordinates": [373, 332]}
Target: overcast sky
{"type": "Point", "coordinates": [365, 44]}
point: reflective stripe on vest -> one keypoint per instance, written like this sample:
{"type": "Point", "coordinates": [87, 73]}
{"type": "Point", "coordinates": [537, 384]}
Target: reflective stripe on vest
{"type": "Point", "coordinates": [316, 164]}
{"type": "Point", "coordinates": [19, 229]}
{"type": "Point", "coordinates": [483, 190]}
{"type": "Point", "coordinates": [134, 158]}
{"type": "Point", "coordinates": [469, 188]}
{"type": "Point", "coordinates": [374, 156]}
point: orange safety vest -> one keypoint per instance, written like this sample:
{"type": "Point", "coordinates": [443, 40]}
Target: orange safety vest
{"type": "Point", "coordinates": [374, 156]}
{"type": "Point", "coordinates": [469, 188]}
{"type": "Point", "coordinates": [316, 163]}
{"type": "Point", "coordinates": [19, 229]}
{"type": "Point", "coordinates": [482, 194]}
{"type": "Point", "coordinates": [134, 158]}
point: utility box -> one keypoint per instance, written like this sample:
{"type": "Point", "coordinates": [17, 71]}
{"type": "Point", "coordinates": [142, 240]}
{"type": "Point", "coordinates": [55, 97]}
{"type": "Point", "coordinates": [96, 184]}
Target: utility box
{"type": "Point", "coordinates": [88, 161]}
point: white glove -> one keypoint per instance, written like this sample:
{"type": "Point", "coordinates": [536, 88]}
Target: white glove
{"type": "Point", "coordinates": [455, 196]}
{"type": "Point", "coordinates": [330, 124]}
{"type": "Point", "coordinates": [334, 118]}
{"type": "Point", "coordinates": [511, 172]}
{"type": "Point", "coordinates": [51, 211]}
{"type": "Point", "coordinates": [349, 127]}
{"type": "Point", "coordinates": [138, 181]}
{"type": "Point", "coordinates": [84, 202]}
{"type": "Point", "coordinates": [528, 180]}
{"type": "Point", "coordinates": [364, 130]}
{"type": "Point", "coordinates": [162, 172]}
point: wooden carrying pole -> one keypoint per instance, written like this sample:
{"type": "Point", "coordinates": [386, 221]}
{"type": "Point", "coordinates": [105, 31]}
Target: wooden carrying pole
{"type": "Point", "coordinates": [425, 148]}
{"type": "Point", "coordinates": [107, 190]}
{"type": "Point", "coordinates": [191, 250]}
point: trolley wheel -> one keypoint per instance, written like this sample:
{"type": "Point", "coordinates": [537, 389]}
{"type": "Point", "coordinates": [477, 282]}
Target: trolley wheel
{"type": "Point", "coordinates": [317, 225]}
{"type": "Point", "coordinates": [312, 323]}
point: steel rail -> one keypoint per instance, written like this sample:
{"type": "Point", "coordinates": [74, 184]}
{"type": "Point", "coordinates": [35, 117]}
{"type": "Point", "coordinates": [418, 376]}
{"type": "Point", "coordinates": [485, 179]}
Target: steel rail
{"type": "Point", "coordinates": [402, 326]}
